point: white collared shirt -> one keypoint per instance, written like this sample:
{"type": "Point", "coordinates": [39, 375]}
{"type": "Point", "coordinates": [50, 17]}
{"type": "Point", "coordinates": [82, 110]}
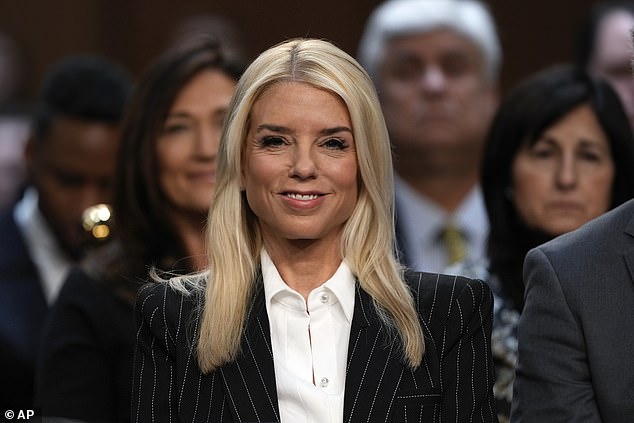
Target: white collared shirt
{"type": "Point", "coordinates": [51, 262]}
{"type": "Point", "coordinates": [422, 222]}
{"type": "Point", "coordinates": [310, 344]}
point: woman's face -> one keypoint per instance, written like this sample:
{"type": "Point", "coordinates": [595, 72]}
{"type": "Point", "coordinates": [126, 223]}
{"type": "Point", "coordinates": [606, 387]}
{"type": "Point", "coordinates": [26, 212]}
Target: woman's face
{"type": "Point", "coordinates": [565, 178]}
{"type": "Point", "coordinates": [188, 142]}
{"type": "Point", "coordinates": [300, 170]}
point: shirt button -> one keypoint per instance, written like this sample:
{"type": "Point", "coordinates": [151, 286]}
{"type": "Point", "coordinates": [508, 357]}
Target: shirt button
{"type": "Point", "coordinates": [324, 298]}
{"type": "Point", "coordinates": [324, 382]}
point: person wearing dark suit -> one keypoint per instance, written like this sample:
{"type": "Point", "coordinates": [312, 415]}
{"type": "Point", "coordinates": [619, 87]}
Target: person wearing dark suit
{"type": "Point", "coordinates": [305, 314]}
{"type": "Point", "coordinates": [576, 338]}
{"type": "Point", "coordinates": [23, 309]}
{"type": "Point", "coordinates": [85, 360]}
{"type": "Point", "coordinates": [162, 189]}
{"type": "Point", "coordinates": [69, 158]}
{"type": "Point", "coordinates": [435, 64]}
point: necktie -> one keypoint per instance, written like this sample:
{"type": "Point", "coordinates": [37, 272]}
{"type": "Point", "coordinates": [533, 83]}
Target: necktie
{"type": "Point", "coordinates": [454, 243]}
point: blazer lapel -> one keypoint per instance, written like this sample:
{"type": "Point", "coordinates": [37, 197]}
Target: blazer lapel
{"type": "Point", "coordinates": [374, 367]}
{"type": "Point", "coordinates": [250, 379]}
{"type": "Point", "coordinates": [373, 373]}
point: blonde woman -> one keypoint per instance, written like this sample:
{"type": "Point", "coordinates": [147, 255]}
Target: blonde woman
{"type": "Point", "coordinates": [305, 315]}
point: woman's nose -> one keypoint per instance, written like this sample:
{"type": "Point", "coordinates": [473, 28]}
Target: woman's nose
{"type": "Point", "coordinates": [207, 141]}
{"type": "Point", "coordinates": [303, 165]}
{"type": "Point", "coordinates": [566, 176]}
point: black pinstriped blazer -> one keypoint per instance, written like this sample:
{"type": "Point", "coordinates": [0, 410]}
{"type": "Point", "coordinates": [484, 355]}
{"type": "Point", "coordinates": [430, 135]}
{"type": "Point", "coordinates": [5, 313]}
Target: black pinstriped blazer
{"type": "Point", "coordinates": [453, 383]}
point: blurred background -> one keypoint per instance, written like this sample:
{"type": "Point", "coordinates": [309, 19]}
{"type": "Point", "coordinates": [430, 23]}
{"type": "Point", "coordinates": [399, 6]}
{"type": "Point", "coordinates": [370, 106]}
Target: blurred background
{"type": "Point", "coordinates": [534, 33]}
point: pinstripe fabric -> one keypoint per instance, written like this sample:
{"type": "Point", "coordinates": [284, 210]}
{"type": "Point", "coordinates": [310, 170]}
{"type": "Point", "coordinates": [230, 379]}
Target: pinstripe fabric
{"type": "Point", "coordinates": [453, 383]}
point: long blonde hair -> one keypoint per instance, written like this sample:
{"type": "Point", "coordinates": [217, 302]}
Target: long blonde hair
{"type": "Point", "coordinates": [233, 236]}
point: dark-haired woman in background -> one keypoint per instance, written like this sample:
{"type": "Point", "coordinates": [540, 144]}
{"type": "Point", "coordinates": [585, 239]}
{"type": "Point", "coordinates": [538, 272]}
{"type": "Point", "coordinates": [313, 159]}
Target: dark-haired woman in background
{"type": "Point", "coordinates": [163, 188]}
{"type": "Point", "coordinates": [559, 153]}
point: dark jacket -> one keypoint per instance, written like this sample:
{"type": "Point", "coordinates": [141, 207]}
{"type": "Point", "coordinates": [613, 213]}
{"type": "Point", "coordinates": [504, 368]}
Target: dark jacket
{"type": "Point", "coordinates": [85, 365]}
{"type": "Point", "coordinates": [453, 383]}
{"type": "Point", "coordinates": [576, 332]}
{"type": "Point", "coordinates": [23, 309]}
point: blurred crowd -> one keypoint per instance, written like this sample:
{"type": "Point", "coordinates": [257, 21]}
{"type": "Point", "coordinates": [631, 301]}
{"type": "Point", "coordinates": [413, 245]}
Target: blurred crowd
{"type": "Point", "coordinates": [107, 179]}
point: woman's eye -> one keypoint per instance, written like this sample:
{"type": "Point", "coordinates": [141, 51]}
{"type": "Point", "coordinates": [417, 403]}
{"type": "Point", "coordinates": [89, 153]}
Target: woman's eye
{"type": "Point", "coordinates": [335, 144]}
{"type": "Point", "coordinates": [541, 153]}
{"type": "Point", "coordinates": [272, 141]}
{"type": "Point", "coordinates": [590, 156]}
{"type": "Point", "coordinates": [175, 128]}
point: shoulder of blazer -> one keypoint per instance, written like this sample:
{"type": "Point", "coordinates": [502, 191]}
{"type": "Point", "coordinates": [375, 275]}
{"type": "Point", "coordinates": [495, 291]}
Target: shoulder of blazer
{"type": "Point", "coordinates": [441, 299]}
{"type": "Point", "coordinates": [168, 312]}
{"type": "Point", "coordinates": [428, 287]}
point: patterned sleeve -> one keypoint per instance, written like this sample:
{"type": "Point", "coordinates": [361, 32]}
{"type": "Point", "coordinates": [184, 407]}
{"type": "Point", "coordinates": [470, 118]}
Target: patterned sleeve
{"type": "Point", "coordinates": [467, 371]}
{"type": "Point", "coordinates": [157, 313]}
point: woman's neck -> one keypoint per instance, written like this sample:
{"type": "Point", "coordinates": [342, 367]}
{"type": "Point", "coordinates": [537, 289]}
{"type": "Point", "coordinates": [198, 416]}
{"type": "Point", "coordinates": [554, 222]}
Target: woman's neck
{"type": "Point", "coordinates": [304, 264]}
